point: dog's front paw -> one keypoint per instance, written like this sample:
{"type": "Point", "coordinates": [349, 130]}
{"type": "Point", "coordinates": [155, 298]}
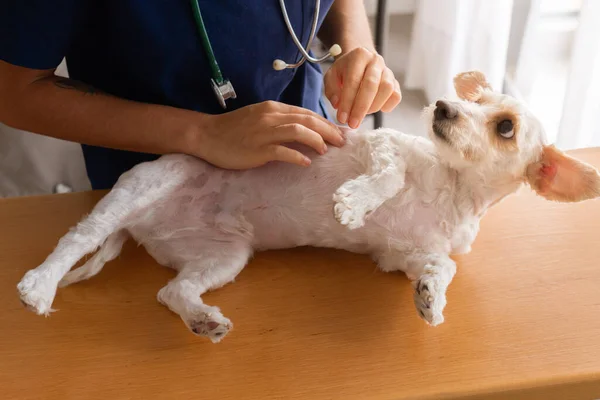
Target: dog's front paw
{"type": "Point", "coordinates": [37, 292]}
{"type": "Point", "coordinates": [430, 299]}
{"type": "Point", "coordinates": [211, 324]}
{"type": "Point", "coordinates": [349, 210]}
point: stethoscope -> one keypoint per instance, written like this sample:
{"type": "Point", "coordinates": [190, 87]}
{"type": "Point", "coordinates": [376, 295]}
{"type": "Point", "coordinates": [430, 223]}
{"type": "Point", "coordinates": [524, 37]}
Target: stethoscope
{"type": "Point", "coordinates": [223, 88]}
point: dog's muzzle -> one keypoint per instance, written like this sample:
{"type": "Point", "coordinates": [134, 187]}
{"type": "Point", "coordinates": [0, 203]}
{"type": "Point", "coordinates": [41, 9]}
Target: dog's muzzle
{"type": "Point", "coordinates": [444, 111]}
{"type": "Point", "coordinates": [443, 114]}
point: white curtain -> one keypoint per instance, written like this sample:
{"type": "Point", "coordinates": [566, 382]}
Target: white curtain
{"type": "Point", "coordinates": [580, 122]}
{"type": "Point", "coordinates": [452, 36]}
{"type": "Point", "coordinates": [524, 64]}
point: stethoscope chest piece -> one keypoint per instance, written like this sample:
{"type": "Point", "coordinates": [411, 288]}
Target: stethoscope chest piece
{"type": "Point", "coordinates": [222, 87]}
{"type": "Point", "coordinates": [223, 91]}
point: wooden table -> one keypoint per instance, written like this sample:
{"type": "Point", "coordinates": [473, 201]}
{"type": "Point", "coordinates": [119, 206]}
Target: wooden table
{"type": "Point", "coordinates": [523, 319]}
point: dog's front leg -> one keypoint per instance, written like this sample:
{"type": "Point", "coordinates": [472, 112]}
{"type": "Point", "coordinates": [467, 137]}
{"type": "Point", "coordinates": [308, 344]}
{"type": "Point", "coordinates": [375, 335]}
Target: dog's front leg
{"type": "Point", "coordinates": [382, 180]}
{"type": "Point", "coordinates": [430, 275]}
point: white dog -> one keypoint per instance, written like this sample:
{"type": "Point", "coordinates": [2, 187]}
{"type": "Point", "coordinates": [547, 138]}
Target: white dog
{"type": "Point", "coordinates": [408, 201]}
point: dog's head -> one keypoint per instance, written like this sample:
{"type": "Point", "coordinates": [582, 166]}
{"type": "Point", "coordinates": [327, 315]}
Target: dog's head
{"type": "Point", "coordinates": [496, 137]}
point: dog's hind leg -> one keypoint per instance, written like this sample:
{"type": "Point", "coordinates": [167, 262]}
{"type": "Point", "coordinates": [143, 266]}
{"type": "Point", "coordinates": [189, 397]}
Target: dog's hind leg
{"type": "Point", "coordinates": [38, 287]}
{"type": "Point", "coordinates": [108, 252]}
{"type": "Point", "coordinates": [219, 265]}
{"type": "Point", "coordinates": [135, 190]}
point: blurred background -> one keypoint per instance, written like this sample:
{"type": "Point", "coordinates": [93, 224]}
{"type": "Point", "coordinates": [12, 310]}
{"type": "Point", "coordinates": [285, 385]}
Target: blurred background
{"type": "Point", "coordinates": [545, 52]}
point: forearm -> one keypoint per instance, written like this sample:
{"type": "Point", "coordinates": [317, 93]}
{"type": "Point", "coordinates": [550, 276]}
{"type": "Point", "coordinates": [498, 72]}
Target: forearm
{"type": "Point", "coordinates": [65, 109]}
{"type": "Point", "coordinates": [347, 25]}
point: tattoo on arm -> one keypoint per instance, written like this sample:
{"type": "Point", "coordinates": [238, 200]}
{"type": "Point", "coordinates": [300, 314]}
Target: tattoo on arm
{"type": "Point", "coordinates": [65, 83]}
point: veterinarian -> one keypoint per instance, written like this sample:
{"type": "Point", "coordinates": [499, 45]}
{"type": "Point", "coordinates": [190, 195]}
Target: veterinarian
{"type": "Point", "coordinates": [140, 78]}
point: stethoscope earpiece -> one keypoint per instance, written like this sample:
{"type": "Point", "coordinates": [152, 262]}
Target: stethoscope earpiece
{"type": "Point", "coordinates": [334, 51]}
{"type": "Point", "coordinates": [222, 87]}
{"type": "Point", "coordinates": [279, 65]}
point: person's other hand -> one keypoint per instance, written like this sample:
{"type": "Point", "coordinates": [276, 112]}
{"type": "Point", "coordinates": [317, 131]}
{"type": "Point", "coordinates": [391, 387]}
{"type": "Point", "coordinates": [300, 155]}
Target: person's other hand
{"type": "Point", "coordinates": [255, 135]}
{"type": "Point", "coordinates": [359, 83]}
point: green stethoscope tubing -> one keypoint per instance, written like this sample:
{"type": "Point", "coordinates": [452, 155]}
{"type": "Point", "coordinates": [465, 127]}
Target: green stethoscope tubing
{"type": "Point", "coordinates": [214, 65]}
{"type": "Point", "coordinates": [222, 87]}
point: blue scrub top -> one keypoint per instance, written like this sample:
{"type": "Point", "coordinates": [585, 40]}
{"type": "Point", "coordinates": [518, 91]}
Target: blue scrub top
{"type": "Point", "coordinates": [150, 51]}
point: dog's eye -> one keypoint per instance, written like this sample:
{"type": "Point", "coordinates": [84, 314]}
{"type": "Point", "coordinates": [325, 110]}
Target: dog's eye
{"type": "Point", "coordinates": [505, 129]}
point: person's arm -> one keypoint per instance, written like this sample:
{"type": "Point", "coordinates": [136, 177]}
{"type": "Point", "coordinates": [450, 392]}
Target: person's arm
{"type": "Point", "coordinates": [358, 83]}
{"type": "Point", "coordinates": [40, 102]}
{"type": "Point", "coordinates": [347, 24]}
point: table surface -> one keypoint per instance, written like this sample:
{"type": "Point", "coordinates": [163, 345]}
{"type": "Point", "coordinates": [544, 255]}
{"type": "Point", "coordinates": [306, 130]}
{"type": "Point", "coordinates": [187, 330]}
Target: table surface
{"type": "Point", "coordinates": [522, 321]}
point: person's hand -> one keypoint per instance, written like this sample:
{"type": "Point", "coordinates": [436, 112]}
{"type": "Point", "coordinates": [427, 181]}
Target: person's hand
{"type": "Point", "coordinates": [255, 135]}
{"type": "Point", "coordinates": [359, 83]}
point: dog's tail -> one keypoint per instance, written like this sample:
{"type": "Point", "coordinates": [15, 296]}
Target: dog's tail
{"type": "Point", "coordinates": [108, 251]}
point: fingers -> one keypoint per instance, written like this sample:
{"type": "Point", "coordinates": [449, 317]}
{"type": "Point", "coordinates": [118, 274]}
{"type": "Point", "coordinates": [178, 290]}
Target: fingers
{"type": "Point", "coordinates": [284, 123]}
{"type": "Point", "coordinates": [351, 81]}
{"type": "Point", "coordinates": [367, 86]}
{"type": "Point", "coordinates": [367, 92]}
{"type": "Point", "coordinates": [296, 132]}
{"type": "Point", "coordinates": [333, 87]}
{"type": "Point", "coordinates": [327, 130]}
{"type": "Point", "coordinates": [394, 99]}
{"type": "Point", "coordinates": [385, 90]}
{"type": "Point", "coordinates": [288, 109]}
{"type": "Point", "coordinates": [323, 127]}
{"type": "Point", "coordinates": [282, 153]}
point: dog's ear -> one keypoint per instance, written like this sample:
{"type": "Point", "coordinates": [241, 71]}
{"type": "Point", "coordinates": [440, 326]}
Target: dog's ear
{"type": "Point", "coordinates": [470, 85]}
{"type": "Point", "coordinates": [562, 178]}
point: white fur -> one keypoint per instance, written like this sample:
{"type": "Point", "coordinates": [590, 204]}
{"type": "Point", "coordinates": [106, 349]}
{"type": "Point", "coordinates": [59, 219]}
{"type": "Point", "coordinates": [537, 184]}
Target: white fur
{"type": "Point", "coordinates": [410, 202]}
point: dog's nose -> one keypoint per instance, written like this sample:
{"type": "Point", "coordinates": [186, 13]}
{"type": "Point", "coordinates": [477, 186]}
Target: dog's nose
{"type": "Point", "coordinates": [444, 110]}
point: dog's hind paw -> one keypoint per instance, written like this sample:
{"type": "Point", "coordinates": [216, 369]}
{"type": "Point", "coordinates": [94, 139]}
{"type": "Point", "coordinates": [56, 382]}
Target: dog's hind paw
{"type": "Point", "coordinates": [430, 299]}
{"type": "Point", "coordinates": [211, 324]}
{"type": "Point", "coordinates": [37, 292]}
